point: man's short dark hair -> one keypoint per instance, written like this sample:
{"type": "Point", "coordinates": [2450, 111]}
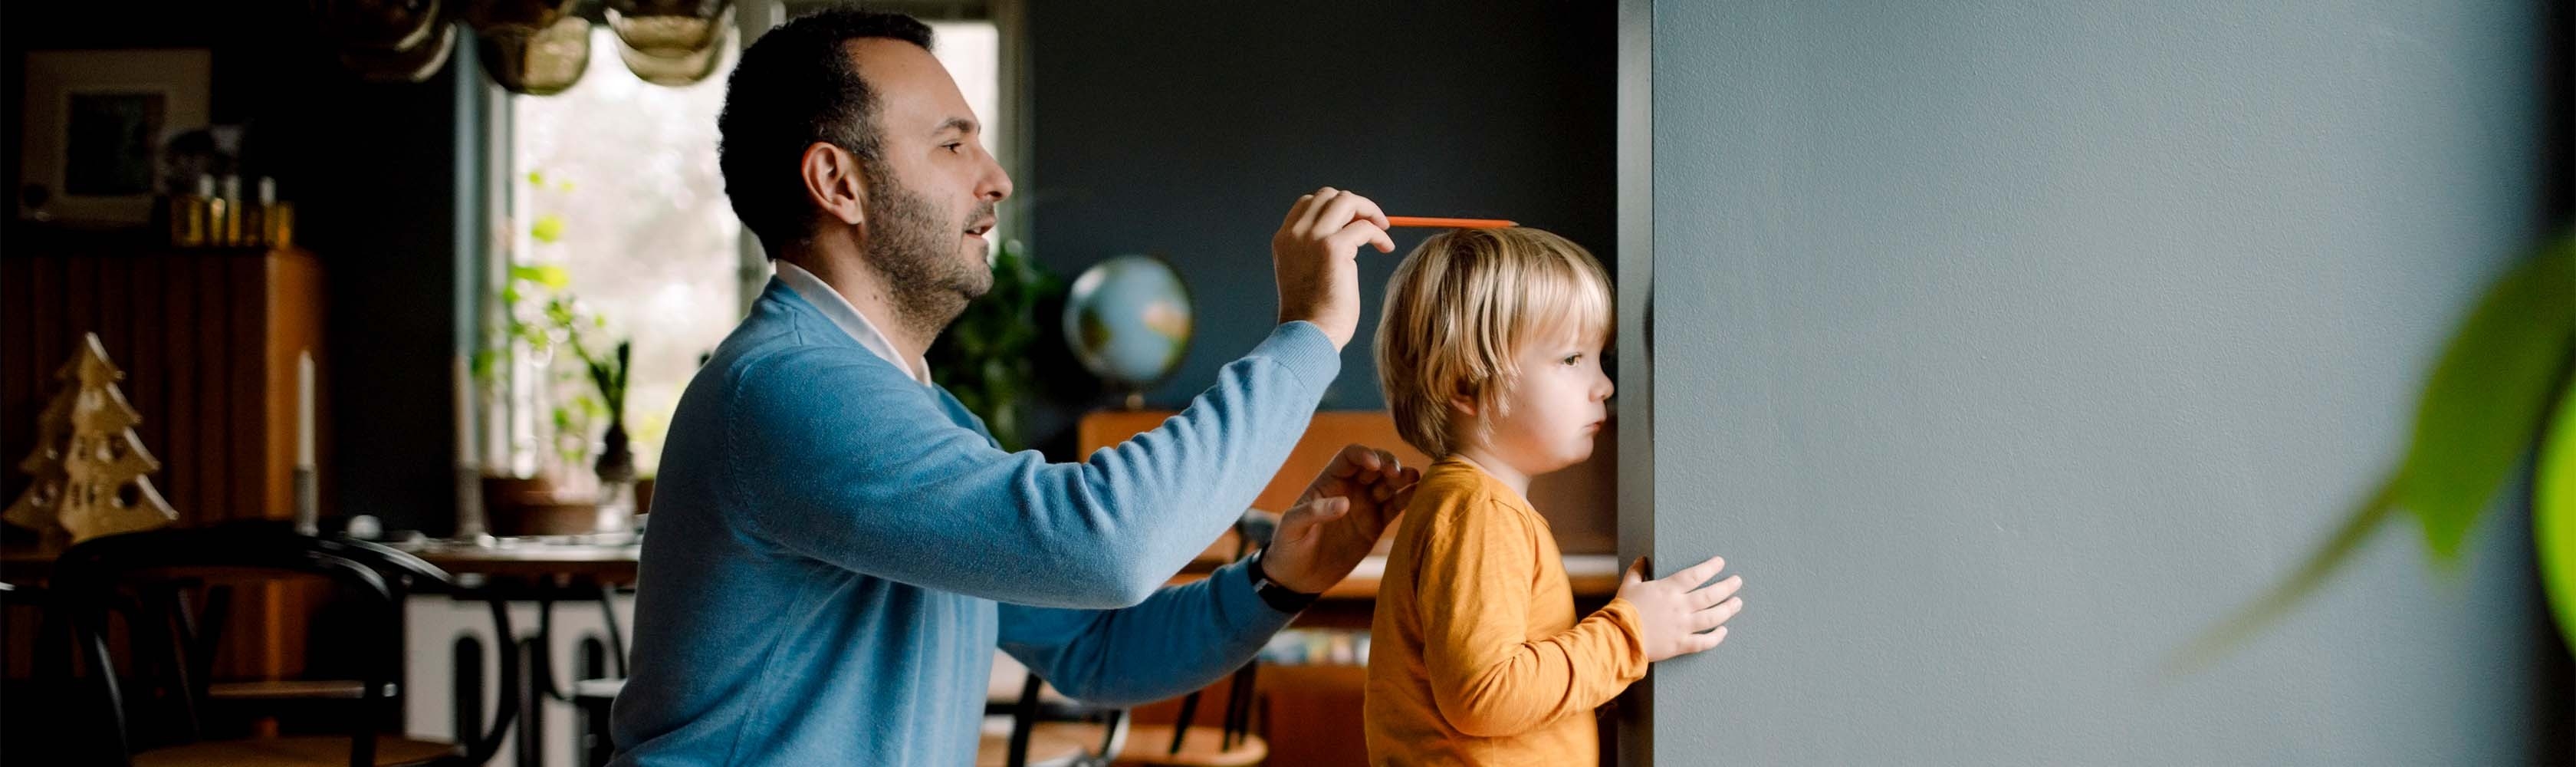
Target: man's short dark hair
{"type": "Point", "coordinates": [793, 87]}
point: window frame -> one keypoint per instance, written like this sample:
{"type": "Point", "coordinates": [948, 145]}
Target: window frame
{"type": "Point", "coordinates": [500, 423]}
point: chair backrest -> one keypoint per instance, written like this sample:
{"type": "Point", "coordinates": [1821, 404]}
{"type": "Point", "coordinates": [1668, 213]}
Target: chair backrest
{"type": "Point", "coordinates": [121, 573]}
{"type": "Point", "coordinates": [1032, 709]}
{"type": "Point", "coordinates": [1252, 532]}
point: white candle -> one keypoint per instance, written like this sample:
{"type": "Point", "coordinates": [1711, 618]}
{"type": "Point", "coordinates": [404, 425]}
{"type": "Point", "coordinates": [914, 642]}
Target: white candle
{"type": "Point", "coordinates": [464, 413]}
{"type": "Point", "coordinates": [304, 409]}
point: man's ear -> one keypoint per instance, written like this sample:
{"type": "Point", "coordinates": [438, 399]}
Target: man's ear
{"type": "Point", "coordinates": [834, 182]}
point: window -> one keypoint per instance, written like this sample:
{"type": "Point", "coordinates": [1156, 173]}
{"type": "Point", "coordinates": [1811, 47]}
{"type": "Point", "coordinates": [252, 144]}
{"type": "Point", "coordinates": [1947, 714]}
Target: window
{"type": "Point", "coordinates": [613, 186]}
{"type": "Point", "coordinates": [615, 183]}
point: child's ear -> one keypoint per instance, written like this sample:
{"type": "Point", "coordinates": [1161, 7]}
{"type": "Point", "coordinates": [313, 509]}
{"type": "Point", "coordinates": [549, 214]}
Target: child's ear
{"type": "Point", "coordinates": [1463, 405]}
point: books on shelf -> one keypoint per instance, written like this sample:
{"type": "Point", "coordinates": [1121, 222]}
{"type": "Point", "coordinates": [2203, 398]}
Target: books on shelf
{"type": "Point", "coordinates": [1317, 647]}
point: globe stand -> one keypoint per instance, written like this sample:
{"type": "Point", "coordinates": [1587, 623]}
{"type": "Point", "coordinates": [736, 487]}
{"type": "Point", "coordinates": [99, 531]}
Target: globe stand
{"type": "Point", "coordinates": [1135, 400]}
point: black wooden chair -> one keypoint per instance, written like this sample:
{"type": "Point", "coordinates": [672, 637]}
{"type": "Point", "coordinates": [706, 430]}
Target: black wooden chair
{"type": "Point", "coordinates": [34, 714]}
{"type": "Point", "coordinates": [1231, 743]}
{"type": "Point", "coordinates": [599, 674]}
{"type": "Point", "coordinates": [1047, 729]}
{"type": "Point", "coordinates": [153, 714]}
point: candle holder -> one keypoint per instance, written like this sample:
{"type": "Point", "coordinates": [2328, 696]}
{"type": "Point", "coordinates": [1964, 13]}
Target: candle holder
{"type": "Point", "coordinates": [216, 215]}
{"type": "Point", "coordinates": [308, 502]}
{"type": "Point", "coordinates": [471, 529]}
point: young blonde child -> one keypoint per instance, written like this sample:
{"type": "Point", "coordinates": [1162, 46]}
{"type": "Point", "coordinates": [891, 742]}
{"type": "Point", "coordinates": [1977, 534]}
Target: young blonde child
{"type": "Point", "coordinates": [1490, 352]}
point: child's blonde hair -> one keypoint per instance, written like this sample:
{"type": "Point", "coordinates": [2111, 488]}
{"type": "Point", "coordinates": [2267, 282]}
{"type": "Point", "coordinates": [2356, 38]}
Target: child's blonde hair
{"type": "Point", "coordinates": [1459, 307]}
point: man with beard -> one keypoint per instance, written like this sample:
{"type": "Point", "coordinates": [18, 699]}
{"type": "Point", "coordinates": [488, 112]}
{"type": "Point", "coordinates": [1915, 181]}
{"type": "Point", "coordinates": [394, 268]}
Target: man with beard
{"type": "Point", "coordinates": [838, 546]}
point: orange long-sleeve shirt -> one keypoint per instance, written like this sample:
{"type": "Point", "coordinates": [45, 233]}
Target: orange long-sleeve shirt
{"type": "Point", "coordinates": [1475, 657]}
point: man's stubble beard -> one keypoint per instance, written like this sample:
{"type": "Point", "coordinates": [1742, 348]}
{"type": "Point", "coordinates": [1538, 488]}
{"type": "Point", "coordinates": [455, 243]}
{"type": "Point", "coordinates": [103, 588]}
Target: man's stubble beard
{"type": "Point", "coordinates": [916, 252]}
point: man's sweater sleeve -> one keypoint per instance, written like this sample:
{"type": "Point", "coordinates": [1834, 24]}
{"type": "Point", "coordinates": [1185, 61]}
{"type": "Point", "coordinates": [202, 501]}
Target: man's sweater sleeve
{"type": "Point", "coordinates": [1181, 639]}
{"type": "Point", "coordinates": [850, 463]}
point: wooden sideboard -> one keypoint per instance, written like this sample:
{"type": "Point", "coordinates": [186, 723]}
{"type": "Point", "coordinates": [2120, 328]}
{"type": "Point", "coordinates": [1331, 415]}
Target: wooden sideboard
{"type": "Point", "coordinates": [1310, 714]}
{"type": "Point", "coordinates": [208, 341]}
{"type": "Point", "coordinates": [1577, 502]}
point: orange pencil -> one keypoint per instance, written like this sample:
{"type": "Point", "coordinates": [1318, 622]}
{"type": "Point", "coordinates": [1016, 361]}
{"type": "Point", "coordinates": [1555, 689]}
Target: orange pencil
{"type": "Point", "coordinates": [1448, 223]}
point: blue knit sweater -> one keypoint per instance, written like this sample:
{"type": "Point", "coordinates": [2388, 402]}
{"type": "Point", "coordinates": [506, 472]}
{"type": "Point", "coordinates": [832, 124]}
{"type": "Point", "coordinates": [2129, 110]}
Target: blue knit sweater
{"type": "Point", "coordinates": [837, 549]}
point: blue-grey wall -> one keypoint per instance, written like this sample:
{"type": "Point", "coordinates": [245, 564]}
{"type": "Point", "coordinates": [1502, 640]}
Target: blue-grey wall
{"type": "Point", "coordinates": [1186, 129]}
{"type": "Point", "coordinates": [2005, 347]}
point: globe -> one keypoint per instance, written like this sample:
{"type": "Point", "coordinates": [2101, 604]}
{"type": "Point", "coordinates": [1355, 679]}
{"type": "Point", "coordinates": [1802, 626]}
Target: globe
{"type": "Point", "coordinates": [1128, 321]}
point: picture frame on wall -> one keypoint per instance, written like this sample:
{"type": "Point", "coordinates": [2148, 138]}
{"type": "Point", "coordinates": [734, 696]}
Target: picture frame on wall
{"type": "Point", "coordinates": [94, 125]}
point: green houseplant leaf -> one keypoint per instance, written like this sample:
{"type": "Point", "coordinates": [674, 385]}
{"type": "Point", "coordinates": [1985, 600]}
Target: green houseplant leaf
{"type": "Point", "coordinates": [987, 356]}
{"type": "Point", "coordinates": [2553, 512]}
{"type": "Point", "coordinates": [553, 277]}
{"type": "Point", "coordinates": [2484, 403]}
{"type": "Point", "coordinates": [2480, 410]}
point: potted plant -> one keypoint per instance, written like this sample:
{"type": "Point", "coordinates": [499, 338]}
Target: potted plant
{"type": "Point", "coordinates": [534, 490]}
{"type": "Point", "coordinates": [616, 465]}
{"type": "Point", "coordinates": [987, 357]}
{"type": "Point", "coordinates": [2504, 388]}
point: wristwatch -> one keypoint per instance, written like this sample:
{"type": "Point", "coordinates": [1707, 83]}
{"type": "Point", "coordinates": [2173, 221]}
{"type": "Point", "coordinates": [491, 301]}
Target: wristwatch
{"type": "Point", "coordinates": [1280, 598]}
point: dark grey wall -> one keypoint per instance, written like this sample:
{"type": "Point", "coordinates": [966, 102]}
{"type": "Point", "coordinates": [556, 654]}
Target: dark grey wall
{"type": "Point", "coordinates": [1185, 129]}
{"type": "Point", "coordinates": [1165, 127]}
{"type": "Point", "coordinates": [2003, 348]}
{"type": "Point", "coordinates": [373, 172]}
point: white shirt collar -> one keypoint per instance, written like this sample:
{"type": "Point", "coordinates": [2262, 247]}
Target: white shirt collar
{"type": "Point", "coordinates": [839, 310]}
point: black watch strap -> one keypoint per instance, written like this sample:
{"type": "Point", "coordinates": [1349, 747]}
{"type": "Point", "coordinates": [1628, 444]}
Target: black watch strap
{"type": "Point", "coordinates": [1279, 597]}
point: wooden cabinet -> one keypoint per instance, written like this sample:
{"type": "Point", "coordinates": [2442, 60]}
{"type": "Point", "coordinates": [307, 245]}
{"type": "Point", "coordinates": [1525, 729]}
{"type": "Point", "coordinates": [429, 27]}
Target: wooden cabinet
{"type": "Point", "coordinates": [1578, 502]}
{"type": "Point", "coordinates": [1310, 713]}
{"type": "Point", "coordinates": [208, 340]}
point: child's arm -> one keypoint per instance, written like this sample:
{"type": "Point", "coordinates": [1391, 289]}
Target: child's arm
{"type": "Point", "coordinates": [1487, 678]}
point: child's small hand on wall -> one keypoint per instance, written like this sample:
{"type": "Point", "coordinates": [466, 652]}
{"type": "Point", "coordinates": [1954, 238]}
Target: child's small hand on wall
{"type": "Point", "coordinates": [1673, 611]}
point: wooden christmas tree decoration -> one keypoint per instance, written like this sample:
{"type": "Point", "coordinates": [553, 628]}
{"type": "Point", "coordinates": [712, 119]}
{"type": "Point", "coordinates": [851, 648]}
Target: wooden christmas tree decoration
{"type": "Point", "coordinates": [88, 464]}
